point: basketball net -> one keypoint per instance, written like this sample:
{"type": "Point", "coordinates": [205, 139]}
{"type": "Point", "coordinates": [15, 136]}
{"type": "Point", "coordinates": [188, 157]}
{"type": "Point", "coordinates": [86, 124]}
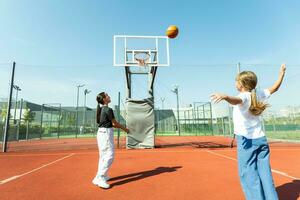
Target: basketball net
{"type": "Point", "coordinates": [143, 62]}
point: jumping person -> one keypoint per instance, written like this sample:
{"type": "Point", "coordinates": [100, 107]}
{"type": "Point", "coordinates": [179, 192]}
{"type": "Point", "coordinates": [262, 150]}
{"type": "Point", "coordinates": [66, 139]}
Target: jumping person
{"type": "Point", "coordinates": [252, 147]}
{"type": "Point", "coordinates": [105, 139]}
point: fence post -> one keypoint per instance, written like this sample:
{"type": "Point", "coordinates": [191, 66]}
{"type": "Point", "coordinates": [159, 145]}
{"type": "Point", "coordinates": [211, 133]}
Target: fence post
{"type": "Point", "coordinates": [27, 127]}
{"type": "Point", "coordinates": [229, 120]}
{"type": "Point", "coordinates": [211, 119]}
{"type": "Point", "coordinates": [223, 126]}
{"type": "Point", "coordinates": [59, 116]}
{"type": "Point", "coordinates": [42, 112]}
{"type": "Point", "coordinates": [118, 114]}
{"type": "Point", "coordinates": [274, 126]}
{"type": "Point", "coordinates": [5, 135]}
{"type": "Point", "coordinates": [20, 118]}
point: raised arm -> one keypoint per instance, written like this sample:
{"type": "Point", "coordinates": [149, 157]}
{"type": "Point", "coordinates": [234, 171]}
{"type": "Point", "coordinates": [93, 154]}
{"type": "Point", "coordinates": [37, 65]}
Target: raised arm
{"type": "Point", "coordinates": [216, 98]}
{"type": "Point", "coordinates": [277, 84]}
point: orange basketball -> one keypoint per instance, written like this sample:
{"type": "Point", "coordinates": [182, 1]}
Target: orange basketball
{"type": "Point", "coordinates": [172, 31]}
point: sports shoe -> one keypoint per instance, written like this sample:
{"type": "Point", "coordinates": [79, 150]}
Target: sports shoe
{"type": "Point", "coordinates": [101, 183]}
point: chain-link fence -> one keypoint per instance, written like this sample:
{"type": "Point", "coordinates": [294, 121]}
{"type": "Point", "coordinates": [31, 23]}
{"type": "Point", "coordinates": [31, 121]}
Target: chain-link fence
{"type": "Point", "coordinates": [283, 123]}
{"type": "Point", "coordinates": [33, 118]}
{"type": "Point", "coordinates": [193, 120]}
{"type": "Point", "coordinates": [32, 121]}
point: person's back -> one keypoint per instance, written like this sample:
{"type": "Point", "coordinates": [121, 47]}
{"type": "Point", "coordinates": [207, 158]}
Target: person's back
{"type": "Point", "coordinates": [106, 117]}
{"type": "Point", "coordinates": [245, 123]}
{"type": "Point", "coordinates": [253, 151]}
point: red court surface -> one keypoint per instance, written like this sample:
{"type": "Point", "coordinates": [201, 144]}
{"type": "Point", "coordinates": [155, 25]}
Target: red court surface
{"type": "Point", "coordinates": [180, 168]}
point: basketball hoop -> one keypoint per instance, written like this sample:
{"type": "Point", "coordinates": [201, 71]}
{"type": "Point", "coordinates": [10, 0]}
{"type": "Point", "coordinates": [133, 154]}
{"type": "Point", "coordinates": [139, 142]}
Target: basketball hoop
{"type": "Point", "coordinates": [142, 58]}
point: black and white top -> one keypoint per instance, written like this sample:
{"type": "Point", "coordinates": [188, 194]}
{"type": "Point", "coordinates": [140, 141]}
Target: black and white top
{"type": "Point", "coordinates": [106, 117]}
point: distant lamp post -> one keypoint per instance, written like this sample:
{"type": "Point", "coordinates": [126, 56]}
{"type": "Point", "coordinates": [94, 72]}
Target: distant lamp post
{"type": "Point", "coordinates": [86, 91]}
{"type": "Point", "coordinates": [17, 88]}
{"type": "Point", "coordinates": [78, 86]}
{"type": "Point", "coordinates": [175, 90]}
{"type": "Point", "coordinates": [162, 102]}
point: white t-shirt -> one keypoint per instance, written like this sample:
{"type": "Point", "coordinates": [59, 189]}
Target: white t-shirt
{"type": "Point", "coordinates": [245, 123]}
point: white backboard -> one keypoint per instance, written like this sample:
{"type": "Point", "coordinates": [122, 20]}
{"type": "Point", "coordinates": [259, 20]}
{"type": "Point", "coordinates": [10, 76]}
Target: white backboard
{"type": "Point", "coordinates": [125, 47]}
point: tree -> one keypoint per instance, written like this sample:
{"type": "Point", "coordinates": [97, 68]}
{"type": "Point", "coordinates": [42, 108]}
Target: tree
{"type": "Point", "coordinates": [71, 118]}
{"type": "Point", "coordinates": [28, 115]}
{"type": "Point", "coordinates": [3, 112]}
{"type": "Point", "coordinates": [28, 118]}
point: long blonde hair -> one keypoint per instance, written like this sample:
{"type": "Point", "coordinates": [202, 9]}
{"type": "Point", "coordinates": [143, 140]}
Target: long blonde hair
{"type": "Point", "coordinates": [248, 80]}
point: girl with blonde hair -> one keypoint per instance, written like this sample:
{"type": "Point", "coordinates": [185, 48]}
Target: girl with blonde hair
{"type": "Point", "coordinates": [252, 147]}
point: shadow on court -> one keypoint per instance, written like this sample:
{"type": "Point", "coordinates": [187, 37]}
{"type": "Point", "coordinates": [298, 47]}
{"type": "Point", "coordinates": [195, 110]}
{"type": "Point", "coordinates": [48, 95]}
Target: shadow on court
{"type": "Point", "coordinates": [289, 191]}
{"type": "Point", "coordinates": [194, 145]}
{"type": "Point", "coordinates": [141, 175]}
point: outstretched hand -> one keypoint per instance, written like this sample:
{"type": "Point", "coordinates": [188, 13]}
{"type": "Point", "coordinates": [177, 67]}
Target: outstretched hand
{"type": "Point", "coordinates": [282, 68]}
{"type": "Point", "coordinates": [217, 97]}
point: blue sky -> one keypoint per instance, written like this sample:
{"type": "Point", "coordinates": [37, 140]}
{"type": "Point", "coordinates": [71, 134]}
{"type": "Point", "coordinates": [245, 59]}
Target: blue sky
{"type": "Point", "coordinates": [58, 44]}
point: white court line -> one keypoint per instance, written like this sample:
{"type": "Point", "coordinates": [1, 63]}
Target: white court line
{"type": "Point", "coordinates": [123, 151]}
{"type": "Point", "coordinates": [284, 174]}
{"type": "Point", "coordinates": [35, 154]}
{"type": "Point", "coordinates": [221, 155]}
{"type": "Point", "coordinates": [273, 170]}
{"type": "Point", "coordinates": [18, 176]}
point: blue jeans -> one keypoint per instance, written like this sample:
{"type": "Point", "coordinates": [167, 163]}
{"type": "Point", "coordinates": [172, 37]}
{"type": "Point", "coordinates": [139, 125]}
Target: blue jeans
{"type": "Point", "coordinates": [254, 168]}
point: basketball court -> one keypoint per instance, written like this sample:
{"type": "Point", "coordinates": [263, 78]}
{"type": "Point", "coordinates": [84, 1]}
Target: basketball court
{"type": "Point", "coordinates": [180, 168]}
{"type": "Point", "coordinates": [183, 149]}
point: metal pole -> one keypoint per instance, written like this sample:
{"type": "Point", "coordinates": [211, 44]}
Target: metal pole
{"type": "Point", "coordinates": [162, 110]}
{"type": "Point", "coordinates": [5, 134]}
{"type": "Point", "coordinates": [211, 119]}
{"type": "Point", "coordinates": [223, 126]}
{"type": "Point", "coordinates": [76, 125]}
{"type": "Point", "coordinates": [273, 120]}
{"type": "Point", "coordinates": [84, 111]}
{"type": "Point", "coordinates": [239, 68]}
{"type": "Point", "coordinates": [229, 120]}
{"type": "Point", "coordinates": [184, 121]}
{"type": "Point", "coordinates": [78, 86]}
{"type": "Point", "coordinates": [203, 110]}
{"type": "Point", "coordinates": [50, 120]}
{"type": "Point", "coordinates": [238, 71]}
{"type": "Point", "coordinates": [59, 118]}
{"type": "Point", "coordinates": [16, 103]}
{"type": "Point", "coordinates": [17, 88]}
{"type": "Point", "coordinates": [20, 118]}
{"type": "Point", "coordinates": [198, 119]}
{"type": "Point", "coordinates": [27, 129]}
{"type": "Point", "coordinates": [162, 103]}
{"type": "Point", "coordinates": [86, 91]}
{"type": "Point", "coordinates": [194, 121]}
{"type": "Point", "coordinates": [178, 118]}
{"type": "Point", "coordinates": [118, 113]}
{"type": "Point", "coordinates": [42, 112]}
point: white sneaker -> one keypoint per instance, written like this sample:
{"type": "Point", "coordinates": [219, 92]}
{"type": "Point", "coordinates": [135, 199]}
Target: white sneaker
{"type": "Point", "coordinates": [95, 181]}
{"type": "Point", "coordinates": [101, 183]}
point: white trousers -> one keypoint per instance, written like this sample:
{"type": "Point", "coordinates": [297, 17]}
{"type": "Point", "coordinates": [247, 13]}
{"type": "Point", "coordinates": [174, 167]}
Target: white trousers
{"type": "Point", "coordinates": [105, 140]}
